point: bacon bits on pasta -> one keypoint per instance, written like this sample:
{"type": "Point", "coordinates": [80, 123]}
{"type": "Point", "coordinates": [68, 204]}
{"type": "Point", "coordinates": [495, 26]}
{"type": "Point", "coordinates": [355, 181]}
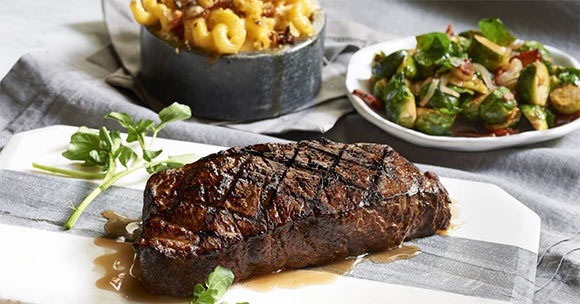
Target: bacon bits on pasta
{"type": "Point", "coordinates": [227, 26]}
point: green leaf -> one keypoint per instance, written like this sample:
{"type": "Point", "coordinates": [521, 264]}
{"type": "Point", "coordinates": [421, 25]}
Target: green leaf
{"type": "Point", "coordinates": [149, 155]}
{"type": "Point", "coordinates": [81, 143]}
{"type": "Point", "coordinates": [157, 168]}
{"type": "Point", "coordinates": [144, 125]}
{"type": "Point", "coordinates": [217, 284]}
{"type": "Point", "coordinates": [122, 118]}
{"type": "Point", "coordinates": [209, 296]}
{"type": "Point", "coordinates": [174, 112]}
{"type": "Point", "coordinates": [570, 75]}
{"type": "Point", "coordinates": [494, 30]}
{"type": "Point", "coordinates": [461, 90]}
{"type": "Point", "coordinates": [181, 160]}
{"type": "Point", "coordinates": [132, 135]}
{"type": "Point", "coordinates": [125, 155]}
{"type": "Point", "coordinates": [116, 139]}
{"type": "Point", "coordinates": [106, 140]}
{"type": "Point", "coordinates": [220, 280]}
{"type": "Point", "coordinates": [198, 289]}
{"type": "Point", "coordinates": [432, 47]}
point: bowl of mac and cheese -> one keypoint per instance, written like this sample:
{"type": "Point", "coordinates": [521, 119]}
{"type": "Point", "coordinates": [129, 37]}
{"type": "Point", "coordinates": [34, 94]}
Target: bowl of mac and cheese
{"type": "Point", "coordinates": [231, 59]}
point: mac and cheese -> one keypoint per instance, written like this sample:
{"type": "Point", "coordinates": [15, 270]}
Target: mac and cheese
{"type": "Point", "coordinates": [227, 26]}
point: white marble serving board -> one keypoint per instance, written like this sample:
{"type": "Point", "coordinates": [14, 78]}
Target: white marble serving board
{"type": "Point", "coordinates": [39, 266]}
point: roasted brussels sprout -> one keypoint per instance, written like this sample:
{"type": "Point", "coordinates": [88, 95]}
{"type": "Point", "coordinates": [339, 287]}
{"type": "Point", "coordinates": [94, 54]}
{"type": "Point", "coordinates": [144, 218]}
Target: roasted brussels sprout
{"type": "Point", "coordinates": [433, 122]}
{"type": "Point", "coordinates": [399, 61]}
{"type": "Point", "coordinates": [534, 45]}
{"type": "Point", "coordinates": [470, 108]}
{"type": "Point", "coordinates": [550, 118]}
{"type": "Point", "coordinates": [473, 83]}
{"type": "Point", "coordinates": [566, 99]}
{"type": "Point", "coordinates": [469, 34]}
{"type": "Point", "coordinates": [408, 67]}
{"type": "Point", "coordinates": [533, 86]}
{"type": "Point", "coordinates": [536, 116]}
{"type": "Point", "coordinates": [400, 102]}
{"type": "Point", "coordinates": [512, 119]}
{"type": "Point", "coordinates": [380, 89]}
{"type": "Point", "coordinates": [497, 106]}
{"type": "Point", "coordinates": [487, 53]}
{"type": "Point", "coordinates": [554, 82]}
{"type": "Point", "coordinates": [440, 101]}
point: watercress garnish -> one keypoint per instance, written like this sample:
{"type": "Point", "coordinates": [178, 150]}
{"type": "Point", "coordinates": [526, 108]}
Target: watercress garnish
{"type": "Point", "coordinates": [216, 285]}
{"type": "Point", "coordinates": [105, 149]}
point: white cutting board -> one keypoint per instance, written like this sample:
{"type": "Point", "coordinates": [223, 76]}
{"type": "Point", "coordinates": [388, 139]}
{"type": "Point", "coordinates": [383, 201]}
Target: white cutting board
{"type": "Point", "coordinates": [53, 267]}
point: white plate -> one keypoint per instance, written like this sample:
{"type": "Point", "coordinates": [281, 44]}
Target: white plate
{"type": "Point", "coordinates": [64, 272]}
{"type": "Point", "coordinates": [359, 72]}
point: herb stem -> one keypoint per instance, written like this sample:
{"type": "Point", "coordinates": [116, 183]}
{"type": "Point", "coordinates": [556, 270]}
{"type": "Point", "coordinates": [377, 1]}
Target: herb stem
{"type": "Point", "coordinates": [108, 182]}
{"type": "Point", "coordinates": [71, 173]}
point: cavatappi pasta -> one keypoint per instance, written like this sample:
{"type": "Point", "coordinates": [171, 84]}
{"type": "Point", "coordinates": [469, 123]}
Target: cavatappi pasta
{"type": "Point", "coordinates": [227, 26]}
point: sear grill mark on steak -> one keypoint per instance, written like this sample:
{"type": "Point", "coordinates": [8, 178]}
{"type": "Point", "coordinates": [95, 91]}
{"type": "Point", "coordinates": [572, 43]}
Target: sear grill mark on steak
{"type": "Point", "coordinates": [262, 208]}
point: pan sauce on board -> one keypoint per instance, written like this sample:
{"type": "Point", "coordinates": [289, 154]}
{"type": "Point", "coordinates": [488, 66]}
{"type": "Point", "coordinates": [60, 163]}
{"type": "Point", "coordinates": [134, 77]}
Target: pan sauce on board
{"type": "Point", "coordinates": [122, 272]}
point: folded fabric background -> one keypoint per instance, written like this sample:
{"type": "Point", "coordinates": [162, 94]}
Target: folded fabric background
{"type": "Point", "coordinates": [42, 90]}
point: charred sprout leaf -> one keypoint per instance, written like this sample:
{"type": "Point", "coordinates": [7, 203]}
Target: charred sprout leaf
{"type": "Point", "coordinates": [550, 118]}
{"type": "Point", "coordinates": [497, 106]}
{"type": "Point", "coordinates": [469, 34]}
{"type": "Point", "coordinates": [461, 90]}
{"type": "Point", "coordinates": [534, 45]}
{"type": "Point", "coordinates": [434, 122]}
{"type": "Point", "coordinates": [487, 53]}
{"type": "Point", "coordinates": [216, 285]}
{"type": "Point", "coordinates": [494, 30]}
{"type": "Point", "coordinates": [474, 84]}
{"type": "Point", "coordinates": [431, 48]}
{"type": "Point", "coordinates": [533, 85]}
{"type": "Point", "coordinates": [442, 102]}
{"type": "Point", "coordinates": [396, 62]}
{"type": "Point", "coordinates": [569, 75]}
{"type": "Point", "coordinates": [536, 116]}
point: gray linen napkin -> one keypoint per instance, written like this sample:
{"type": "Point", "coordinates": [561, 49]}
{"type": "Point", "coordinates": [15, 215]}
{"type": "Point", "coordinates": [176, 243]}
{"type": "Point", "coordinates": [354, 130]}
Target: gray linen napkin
{"type": "Point", "coordinates": [319, 115]}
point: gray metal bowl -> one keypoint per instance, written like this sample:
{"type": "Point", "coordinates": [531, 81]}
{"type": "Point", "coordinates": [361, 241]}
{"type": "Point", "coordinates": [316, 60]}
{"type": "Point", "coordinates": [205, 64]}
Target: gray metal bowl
{"type": "Point", "coordinates": [243, 86]}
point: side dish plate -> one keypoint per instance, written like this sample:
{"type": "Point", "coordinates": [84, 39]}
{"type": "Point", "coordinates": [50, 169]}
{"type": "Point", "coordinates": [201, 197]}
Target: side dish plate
{"type": "Point", "coordinates": [359, 72]}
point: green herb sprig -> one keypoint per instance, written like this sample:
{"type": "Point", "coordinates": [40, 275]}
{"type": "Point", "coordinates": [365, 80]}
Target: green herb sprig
{"type": "Point", "coordinates": [216, 285]}
{"type": "Point", "coordinates": [105, 149]}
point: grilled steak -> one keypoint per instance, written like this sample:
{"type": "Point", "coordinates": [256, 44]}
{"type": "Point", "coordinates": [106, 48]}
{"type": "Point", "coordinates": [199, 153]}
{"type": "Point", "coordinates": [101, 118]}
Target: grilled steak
{"type": "Point", "coordinates": [266, 207]}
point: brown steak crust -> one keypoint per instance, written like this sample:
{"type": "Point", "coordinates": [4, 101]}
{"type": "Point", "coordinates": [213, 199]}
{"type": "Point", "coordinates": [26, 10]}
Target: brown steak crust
{"type": "Point", "coordinates": [262, 208]}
